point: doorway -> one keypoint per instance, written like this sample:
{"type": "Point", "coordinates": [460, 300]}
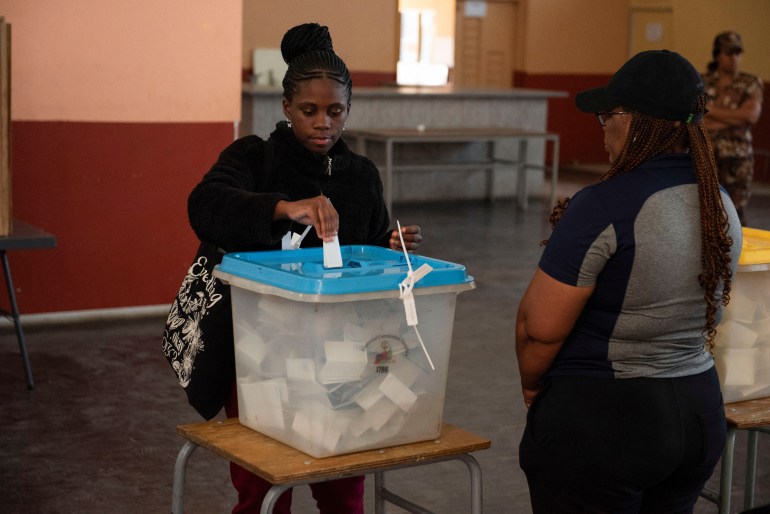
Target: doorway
{"type": "Point", "coordinates": [426, 42]}
{"type": "Point", "coordinates": [469, 43]}
{"type": "Point", "coordinates": [486, 43]}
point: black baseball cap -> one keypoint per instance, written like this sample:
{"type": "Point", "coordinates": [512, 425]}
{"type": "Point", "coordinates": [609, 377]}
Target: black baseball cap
{"type": "Point", "coordinates": [659, 83]}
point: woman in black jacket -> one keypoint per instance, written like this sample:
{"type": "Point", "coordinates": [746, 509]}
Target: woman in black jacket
{"type": "Point", "coordinates": [304, 174]}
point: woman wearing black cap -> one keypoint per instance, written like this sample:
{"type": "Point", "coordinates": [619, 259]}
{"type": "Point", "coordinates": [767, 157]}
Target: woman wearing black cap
{"type": "Point", "coordinates": [614, 331]}
{"type": "Point", "coordinates": [735, 104]}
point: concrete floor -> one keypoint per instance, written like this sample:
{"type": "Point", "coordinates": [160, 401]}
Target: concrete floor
{"type": "Point", "coordinates": [97, 434]}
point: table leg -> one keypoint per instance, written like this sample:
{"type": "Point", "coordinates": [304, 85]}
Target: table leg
{"type": "Point", "coordinates": [554, 171]}
{"type": "Point", "coordinates": [726, 474]}
{"type": "Point", "coordinates": [271, 498]}
{"type": "Point", "coordinates": [17, 320]}
{"type": "Point", "coordinates": [382, 494]}
{"type": "Point", "coordinates": [491, 171]}
{"type": "Point", "coordinates": [751, 469]}
{"type": "Point", "coordinates": [521, 183]}
{"type": "Point", "coordinates": [379, 487]}
{"type": "Point", "coordinates": [389, 175]}
{"type": "Point", "coordinates": [476, 486]}
{"type": "Point", "coordinates": [361, 145]}
{"type": "Point", "coordinates": [403, 503]}
{"type": "Point", "coordinates": [180, 468]}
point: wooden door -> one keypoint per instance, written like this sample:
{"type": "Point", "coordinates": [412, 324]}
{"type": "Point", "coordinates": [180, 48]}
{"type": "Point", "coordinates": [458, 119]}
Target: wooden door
{"type": "Point", "coordinates": [485, 43]}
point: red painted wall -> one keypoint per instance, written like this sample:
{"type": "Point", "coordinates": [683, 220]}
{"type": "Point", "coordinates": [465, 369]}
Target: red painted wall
{"type": "Point", "coordinates": [581, 138]}
{"type": "Point", "coordinates": [371, 79]}
{"type": "Point", "coordinates": [114, 195]}
{"type": "Point", "coordinates": [359, 78]}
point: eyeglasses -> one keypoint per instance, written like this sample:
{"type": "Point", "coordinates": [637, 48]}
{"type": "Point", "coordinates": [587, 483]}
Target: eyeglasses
{"type": "Point", "coordinates": [602, 116]}
{"type": "Point", "coordinates": [733, 51]}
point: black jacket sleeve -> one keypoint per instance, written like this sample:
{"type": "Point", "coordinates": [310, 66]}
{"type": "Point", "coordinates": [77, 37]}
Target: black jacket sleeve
{"type": "Point", "coordinates": [227, 208]}
{"type": "Point", "coordinates": [379, 224]}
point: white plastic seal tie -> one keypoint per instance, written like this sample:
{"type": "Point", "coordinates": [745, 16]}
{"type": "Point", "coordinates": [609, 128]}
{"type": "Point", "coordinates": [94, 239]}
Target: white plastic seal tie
{"type": "Point", "coordinates": [292, 240]}
{"type": "Point", "coordinates": [407, 296]}
{"type": "Point", "coordinates": [296, 239]}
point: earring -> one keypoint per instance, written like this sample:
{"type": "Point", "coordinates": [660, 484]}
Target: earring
{"type": "Point", "coordinates": [288, 122]}
{"type": "Point", "coordinates": [344, 127]}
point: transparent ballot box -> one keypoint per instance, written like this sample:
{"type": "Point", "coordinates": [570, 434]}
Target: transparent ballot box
{"type": "Point", "coordinates": [332, 360]}
{"type": "Point", "coordinates": [742, 345]}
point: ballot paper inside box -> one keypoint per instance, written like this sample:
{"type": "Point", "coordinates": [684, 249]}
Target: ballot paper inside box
{"type": "Point", "coordinates": [742, 344]}
{"type": "Point", "coordinates": [325, 359]}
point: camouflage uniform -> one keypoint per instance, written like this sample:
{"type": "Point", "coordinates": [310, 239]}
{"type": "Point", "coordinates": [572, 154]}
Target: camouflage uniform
{"type": "Point", "coordinates": [732, 145]}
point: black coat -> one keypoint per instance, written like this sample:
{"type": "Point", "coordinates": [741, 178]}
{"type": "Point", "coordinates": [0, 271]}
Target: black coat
{"type": "Point", "coordinates": [232, 207]}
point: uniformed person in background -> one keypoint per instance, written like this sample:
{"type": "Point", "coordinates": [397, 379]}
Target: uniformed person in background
{"type": "Point", "coordinates": [735, 104]}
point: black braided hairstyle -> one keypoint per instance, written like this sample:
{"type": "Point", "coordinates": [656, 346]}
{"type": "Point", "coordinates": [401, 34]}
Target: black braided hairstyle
{"type": "Point", "coordinates": [308, 51]}
{"type": "Point", "coordinates": [716, 49]}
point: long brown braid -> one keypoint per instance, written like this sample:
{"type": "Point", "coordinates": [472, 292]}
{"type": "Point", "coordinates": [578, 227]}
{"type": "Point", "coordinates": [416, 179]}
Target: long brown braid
{"type": "Point", "coordinates": [649, 137]}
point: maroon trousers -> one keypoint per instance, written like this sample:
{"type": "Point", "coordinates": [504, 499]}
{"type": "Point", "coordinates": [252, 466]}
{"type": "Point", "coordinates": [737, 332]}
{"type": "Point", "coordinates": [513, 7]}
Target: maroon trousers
{"type": "Point", "coordinates": [343, 496]}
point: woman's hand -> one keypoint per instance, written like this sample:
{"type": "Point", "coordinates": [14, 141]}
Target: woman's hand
{"type": "Point", "coordinates": [318, 212]}
{"type": "Point", "coordinates": [411, 235]}
{"type": "Point", "coordinates": [529, 395]}
{"type": "Point", "coordinates": [546, 316]}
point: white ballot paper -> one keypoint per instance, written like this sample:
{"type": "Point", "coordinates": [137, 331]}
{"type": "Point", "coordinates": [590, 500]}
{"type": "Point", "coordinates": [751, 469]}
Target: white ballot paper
{"type": "Point", "coordinates": [332, 254]}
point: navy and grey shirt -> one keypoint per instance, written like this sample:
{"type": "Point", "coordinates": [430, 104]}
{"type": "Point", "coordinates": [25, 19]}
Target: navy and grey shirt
{"type": "Point", "coordinates": [636, 237]}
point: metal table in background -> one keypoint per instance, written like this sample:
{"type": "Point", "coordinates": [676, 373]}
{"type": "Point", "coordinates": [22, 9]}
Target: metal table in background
{"type": "Point", "coordinates": [754, 417]}
{"type": "Point", "coordinates": [23, 237]}
{"type": "Point", "coordinates": [394, 136]}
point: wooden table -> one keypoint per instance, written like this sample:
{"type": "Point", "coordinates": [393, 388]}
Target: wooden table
{"type": "Point", "coordinates": [286, 467]}
{"type": "Point", "coordinates": [23, 237]}
{"type": "Point", "coordinates": [753, 416]}
{"type": "Point", "coordinates": [395, 136]}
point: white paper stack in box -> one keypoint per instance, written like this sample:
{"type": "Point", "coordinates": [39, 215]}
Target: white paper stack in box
{"type": "Point", "coordinates": [742, 345]}
{"type": "Point", "coordinates": [325, 359]}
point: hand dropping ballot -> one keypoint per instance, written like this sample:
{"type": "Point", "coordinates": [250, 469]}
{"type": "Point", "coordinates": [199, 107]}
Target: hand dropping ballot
{"type": "Point", "coordinates": [332, 253]}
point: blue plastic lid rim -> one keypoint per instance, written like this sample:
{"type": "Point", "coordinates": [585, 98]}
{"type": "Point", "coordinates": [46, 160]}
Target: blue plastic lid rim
{"type": "Point", "coordinates": [365, 269]}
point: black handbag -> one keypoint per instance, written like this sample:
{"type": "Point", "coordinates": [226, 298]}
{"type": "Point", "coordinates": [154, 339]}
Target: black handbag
{"type": "Point", "coordinates": [198, 337]}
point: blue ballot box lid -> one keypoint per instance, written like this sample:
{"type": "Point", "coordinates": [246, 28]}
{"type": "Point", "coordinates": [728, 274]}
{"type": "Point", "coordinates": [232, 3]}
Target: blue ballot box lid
{"type": "Point", "coordinates": [365, 269]}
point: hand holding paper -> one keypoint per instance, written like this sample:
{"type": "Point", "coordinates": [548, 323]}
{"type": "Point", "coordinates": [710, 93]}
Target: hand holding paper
{"type": "Point", "coordinates": [332, 254]}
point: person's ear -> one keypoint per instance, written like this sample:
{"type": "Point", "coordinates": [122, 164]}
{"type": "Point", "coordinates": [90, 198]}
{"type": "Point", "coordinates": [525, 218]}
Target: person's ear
{"type": "Point", "coordinates": [286, 110]}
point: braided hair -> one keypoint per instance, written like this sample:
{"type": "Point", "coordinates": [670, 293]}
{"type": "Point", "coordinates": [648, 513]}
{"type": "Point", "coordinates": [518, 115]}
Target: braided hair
{"type": "Point", "coordinates": [716, 49]}
{"type": "Point", "coordinates": [648, 137]}
{"type": "Point", "coordinates": [308, 51]}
